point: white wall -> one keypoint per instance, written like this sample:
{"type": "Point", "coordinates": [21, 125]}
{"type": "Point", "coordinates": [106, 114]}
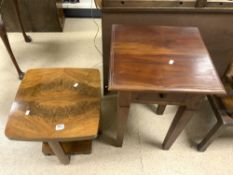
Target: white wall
{"type": "Point", "coordinates": [85, 4]}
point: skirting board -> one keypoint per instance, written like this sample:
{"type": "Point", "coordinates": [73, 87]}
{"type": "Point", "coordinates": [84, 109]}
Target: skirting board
{"type": "Point", "coordinates": [72, 13]}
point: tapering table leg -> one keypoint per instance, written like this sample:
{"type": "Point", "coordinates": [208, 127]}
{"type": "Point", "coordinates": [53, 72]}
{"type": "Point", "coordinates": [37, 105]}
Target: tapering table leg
{"type": "Point", "coordinates": [26, 37]}
{"type": "Point", "coordinates": [179, 122]}
{"type": "Point", "coordinates": [123, 106]}
{"type": "Point", "coordinates": [160, 110]}
{"type": "Point", "coordinates": [5, 40]}
{"type": "Point", "coordinates": [59, 152]}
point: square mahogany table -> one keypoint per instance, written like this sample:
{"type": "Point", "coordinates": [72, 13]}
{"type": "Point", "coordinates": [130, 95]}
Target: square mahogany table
{"type": "Point", "coordinates": [162, 65]}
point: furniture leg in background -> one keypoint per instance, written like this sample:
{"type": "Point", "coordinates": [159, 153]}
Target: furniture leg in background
{"type": "Point", "coordinates": [160, 110]}
{"type": "Point", "coordinates": [36, 16]}
{"type": "Point", "coordinates": [223, 120]}
{"type": "Point", "coordinates": [8, 47]}
{"type": "Point", "coordinates": [26, 37]}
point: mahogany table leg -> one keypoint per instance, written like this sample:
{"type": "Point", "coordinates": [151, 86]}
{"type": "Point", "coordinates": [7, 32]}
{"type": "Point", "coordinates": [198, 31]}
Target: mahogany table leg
{"type": "Point", "coordinates": [59, 152]}
{"type": "Point", "coordinates": [5, 40]}
{"type": "Point", "coordinates": [122, 115]}
{"type": "Point", "coordinates": [212, 134]}
{"type": "Point", "coordinates": [26, 37]}
{"type": "Point", "coordinates": [180, 120]}
{"type": "Point", "coordinates": [160, 110]}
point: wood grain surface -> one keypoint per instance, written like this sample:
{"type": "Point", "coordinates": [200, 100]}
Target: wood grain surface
{"type": "Point", "coordinates": [56, 96]}
{"type": "Point", "coordinates": [140, 57]}
{"type": "Point", "coordinates": [75, 147]}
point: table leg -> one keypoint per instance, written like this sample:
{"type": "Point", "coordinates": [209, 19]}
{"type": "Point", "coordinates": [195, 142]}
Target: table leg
{"type": "Point", "coordinates": [5, 40]}
{"type": "Point", "coordinates": [123, 106]}
{"type": "Point", "coordinates": [26, 37]}
{"type": "Point", "coordinates": [160, 110]}
{"type": "Point", "coordinates": [179, 122]}
{"type": "Point", "coordinates": [59, 152]}
{"type": "Point", "coordinates": [122, 116]}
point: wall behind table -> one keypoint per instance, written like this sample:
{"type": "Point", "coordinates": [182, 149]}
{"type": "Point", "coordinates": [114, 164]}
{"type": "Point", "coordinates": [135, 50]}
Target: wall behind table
{"type": "Point", "coordinates": [37, 15]}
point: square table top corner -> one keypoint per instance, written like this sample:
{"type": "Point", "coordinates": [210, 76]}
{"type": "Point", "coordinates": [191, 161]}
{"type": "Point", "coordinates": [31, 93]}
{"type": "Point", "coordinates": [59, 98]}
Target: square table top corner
{"type": "Point", "coordinates": [56, 104]}
{"type": "Point", "coordinates": [161, 59]}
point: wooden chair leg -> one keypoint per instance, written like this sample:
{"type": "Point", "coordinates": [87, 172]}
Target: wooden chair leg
{"type": "Point", "coordinates": [26, 37]}
{"type": "Point", "coordinates": [160, 110]}
{"type": "Point", "coordinates": [5, 40]}
{"type": "Point", "coordinates": [212, 134]}
{"type": "Point", "coordinates": [222, 120]}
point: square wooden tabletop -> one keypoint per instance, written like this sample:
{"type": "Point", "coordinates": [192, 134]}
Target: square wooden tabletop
{"type": "Point", "coordinates": [161, 59]}
{"type": "Point", "coordinates": [56, 104]}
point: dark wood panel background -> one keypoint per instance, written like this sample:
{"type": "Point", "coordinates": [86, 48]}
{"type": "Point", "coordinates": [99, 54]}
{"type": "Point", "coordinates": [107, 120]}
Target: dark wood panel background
{"type": "Point", "coordinates": [37, 15]}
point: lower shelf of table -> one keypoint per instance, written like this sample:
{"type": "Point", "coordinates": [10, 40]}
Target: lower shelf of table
{"type": "Point", "coordinates": [74, 147]}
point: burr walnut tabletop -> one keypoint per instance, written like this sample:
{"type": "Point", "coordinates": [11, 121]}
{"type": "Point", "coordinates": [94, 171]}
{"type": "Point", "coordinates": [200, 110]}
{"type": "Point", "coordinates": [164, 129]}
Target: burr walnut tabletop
{"type": "Point", "coordinates": [56, 105]}
{"type": "Point", "coordinates": [161, 65]}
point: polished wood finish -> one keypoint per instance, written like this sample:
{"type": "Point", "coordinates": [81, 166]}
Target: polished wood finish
{"type": "Point", "coordinates": [153, 64]}
{"type": "Point", "coordinates": [56, 105]}
{"type": "Point", "coordinates": [51, 98]}
{"type": "Point", "coordinates": [75, 147]}
{"type": "Point", "coordinates": [140, 57]}
{"type": "Point", "coordinates": [217, 16]}
{"type": "Point", "coordinates": [37, 16]}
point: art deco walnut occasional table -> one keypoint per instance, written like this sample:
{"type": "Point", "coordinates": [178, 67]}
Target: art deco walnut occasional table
{"type": "Point", "coordinates": [60, 107]}
{"type": "Point", "coordinates": [161, 65]}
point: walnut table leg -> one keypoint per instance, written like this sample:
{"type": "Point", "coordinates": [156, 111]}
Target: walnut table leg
{"type": "Point", "coordinates": [59, 152]}
{"type": "Point", "coordinates": [180, 120]}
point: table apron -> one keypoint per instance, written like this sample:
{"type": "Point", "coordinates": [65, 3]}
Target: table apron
{"type": "Point", "coordinates": [192, 101]}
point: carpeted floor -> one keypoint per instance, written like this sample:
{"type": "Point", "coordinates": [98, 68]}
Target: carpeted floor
{"type": "Point", "coordinates": [141, 153]}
